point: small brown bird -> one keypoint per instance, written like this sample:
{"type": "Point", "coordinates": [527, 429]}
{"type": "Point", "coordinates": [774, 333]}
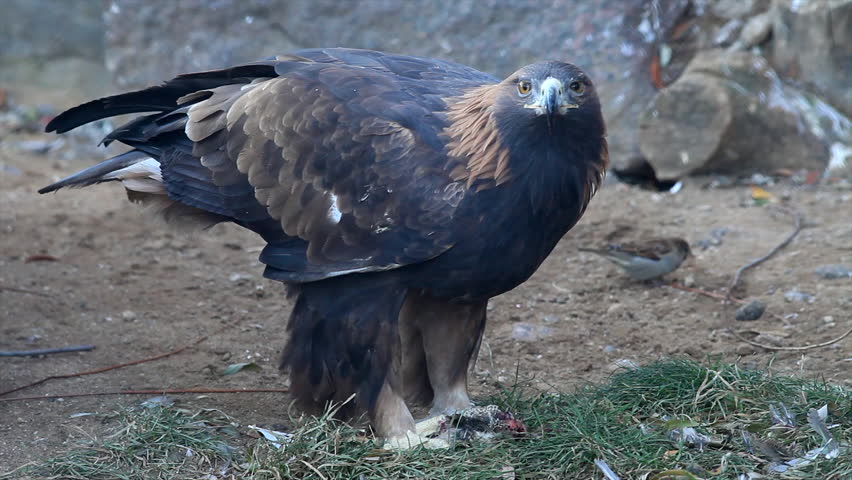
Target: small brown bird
{"type": "Point", "coordinates": [646, 260]}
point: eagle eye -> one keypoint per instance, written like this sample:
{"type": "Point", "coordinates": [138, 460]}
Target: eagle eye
{"type": "Point", "coordinates": [524, 88]}
{"type": "Point", "coordinates": [577, 87]}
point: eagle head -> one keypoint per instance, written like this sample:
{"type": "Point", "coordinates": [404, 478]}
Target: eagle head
{"type": "Point", "coordinates": [549, 94]}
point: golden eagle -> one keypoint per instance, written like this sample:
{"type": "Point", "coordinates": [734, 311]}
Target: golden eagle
{"type": "Point", "coordinates": [396, 195]}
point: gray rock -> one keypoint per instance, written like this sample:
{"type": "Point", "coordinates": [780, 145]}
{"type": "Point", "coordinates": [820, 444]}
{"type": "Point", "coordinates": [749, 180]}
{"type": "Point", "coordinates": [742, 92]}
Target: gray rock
{"type": "Point", "coordinates": [831, 272]}
{"type": "Point", "coordinates": [750, 311]}
{"type": "Point", "coordinates": [732, 8]}
{"type": "Point", "coordinates": [812, 42]}
{"type": "Point", "coordinates": [613, 40]}
{"type": "Point", "coordinates": [730, 113]}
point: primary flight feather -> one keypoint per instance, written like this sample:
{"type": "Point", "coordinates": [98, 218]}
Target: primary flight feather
{"type": "Point", "coordinates": [396, 195]}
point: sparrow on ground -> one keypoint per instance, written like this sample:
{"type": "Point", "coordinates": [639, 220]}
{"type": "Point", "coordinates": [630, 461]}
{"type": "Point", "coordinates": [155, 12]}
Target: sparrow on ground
{"type": "Point", "coordinates": [648, 259]}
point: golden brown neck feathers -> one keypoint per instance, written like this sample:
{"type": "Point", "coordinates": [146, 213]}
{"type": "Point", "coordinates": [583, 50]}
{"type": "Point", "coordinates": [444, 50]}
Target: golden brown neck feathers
{"type": "Point", "coordinates": [474, 138]}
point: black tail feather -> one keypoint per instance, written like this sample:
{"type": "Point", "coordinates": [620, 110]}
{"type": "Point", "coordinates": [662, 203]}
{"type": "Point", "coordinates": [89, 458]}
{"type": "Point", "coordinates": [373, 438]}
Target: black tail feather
{"type": "Point", "coordinates": [161, 98]}
{"type": "Point", "coordinates": [95, 173]}
{"type": "Point", "coordinates": [343, 337]}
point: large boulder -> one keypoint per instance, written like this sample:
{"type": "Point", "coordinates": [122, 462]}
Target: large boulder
{"type": "Point", "coordinates": [613, 40]}
{"type": "Point", "coordinates": [812, 43]}
{"type": "Point", "coordinates": [730, 113]}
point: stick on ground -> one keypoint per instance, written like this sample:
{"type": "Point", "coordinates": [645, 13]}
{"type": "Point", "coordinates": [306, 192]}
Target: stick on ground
{"type": "Point", "coordinates": [151, 392]}
{"type": "Point", "coordinates": [46, 351]}
{"type": "Point", "coordinates": [122, 365]}
{"type": "Point", "coordinates": [797, 227]}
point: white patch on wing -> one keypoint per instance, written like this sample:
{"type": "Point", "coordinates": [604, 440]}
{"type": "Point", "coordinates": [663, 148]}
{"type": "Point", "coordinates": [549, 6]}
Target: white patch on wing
{"type": "Point", "coordinates": [144, 176]}
{"type": "Point", "coordinates": [334, 212]}
{"type": "Point", "coordinates": [362, 270]}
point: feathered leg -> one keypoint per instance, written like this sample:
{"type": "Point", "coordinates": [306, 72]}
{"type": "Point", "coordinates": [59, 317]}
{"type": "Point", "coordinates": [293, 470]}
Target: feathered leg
{"type": "Point", "coordinates": [450, 335]}
{"type": "Point", "coordinates": [343, 340]}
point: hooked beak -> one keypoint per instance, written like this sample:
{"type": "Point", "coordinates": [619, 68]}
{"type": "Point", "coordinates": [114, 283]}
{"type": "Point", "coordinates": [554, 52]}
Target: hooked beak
{"type": "Point", "coordinates": [551, 101]}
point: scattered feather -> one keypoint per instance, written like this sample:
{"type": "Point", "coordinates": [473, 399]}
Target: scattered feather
{"type": "Point", "coordinates": [276, 439]}
{"type": "Point", "coordinates": [81, 414]}
{"type": "Point", "coordinates": [608, 473]}
{"type": "Point", "coordinates": [236, 367]}
{"type": "Point", "coordinates": [781, 415]}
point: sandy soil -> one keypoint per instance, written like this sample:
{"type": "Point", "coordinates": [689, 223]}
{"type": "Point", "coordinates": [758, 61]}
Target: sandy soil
{"type": "Point", "coordinates": [134, 289]}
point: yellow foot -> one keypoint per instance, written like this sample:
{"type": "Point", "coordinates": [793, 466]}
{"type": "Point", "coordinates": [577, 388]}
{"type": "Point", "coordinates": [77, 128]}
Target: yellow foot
{"type": "Point", "coordinates": [426, 429]}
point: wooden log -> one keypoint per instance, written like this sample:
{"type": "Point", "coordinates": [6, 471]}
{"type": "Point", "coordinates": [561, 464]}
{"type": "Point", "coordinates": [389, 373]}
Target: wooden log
{"type": "Point", "coordinates": [728, 113]}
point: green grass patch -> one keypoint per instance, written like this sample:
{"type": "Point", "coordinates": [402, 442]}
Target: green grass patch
{"type": "Point", "coordinates": [665, 421]}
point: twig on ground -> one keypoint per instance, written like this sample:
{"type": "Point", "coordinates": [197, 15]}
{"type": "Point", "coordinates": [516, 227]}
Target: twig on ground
{"type": "Point", "coordinates": [46, 351]}
{"type": "Point", "coordinates": [797, 227]}
{"type": "Point", "coordinates": [23, 290]}
{"type": "Point", "coordinates": [122, 365]}
{"type": "Point", "coordinates": [152, 392]}
{"type": "Point", "coordinates": [795, 349]}
{"type": "Point", "coordinates": [717, 296]}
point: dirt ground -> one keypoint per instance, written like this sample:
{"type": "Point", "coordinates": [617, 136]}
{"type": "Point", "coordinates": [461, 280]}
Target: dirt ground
{"type": "Point", "coordinates": [133, 288]}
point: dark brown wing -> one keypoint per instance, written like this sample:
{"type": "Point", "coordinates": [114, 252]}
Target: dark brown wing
{"type": "Point", "coordinates": [332, 169]}
{"type": "Point", "coordinates": [335, 156]}
{"type": "Point", "coordinates": [344, 152]}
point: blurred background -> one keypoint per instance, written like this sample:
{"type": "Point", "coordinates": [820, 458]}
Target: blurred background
{"type": "Point", "coordinates": [688, 86]}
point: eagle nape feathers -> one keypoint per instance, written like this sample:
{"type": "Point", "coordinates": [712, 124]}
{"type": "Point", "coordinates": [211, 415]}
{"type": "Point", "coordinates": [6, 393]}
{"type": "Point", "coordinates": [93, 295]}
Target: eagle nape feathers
{"type": "Point", "coordinates": [395, 194]}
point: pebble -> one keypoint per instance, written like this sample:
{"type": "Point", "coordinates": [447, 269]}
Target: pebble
{"type": "Point", "coordinates": [526, 332]}
{"type": "Point", "coordinates": [240, 277]}
{"type": "Point", "coordinates": [750, 311]}
{"type": "Point", "coordinates": [622, 364]}
{"type": "Point", "coordinates": [128, 315]}
{"type": "Point", "coordinates": [795, 295]}
{"type": "Point", "coordinates": [550, 319]}
{"type": "Point", "coordinates": [832, 272]}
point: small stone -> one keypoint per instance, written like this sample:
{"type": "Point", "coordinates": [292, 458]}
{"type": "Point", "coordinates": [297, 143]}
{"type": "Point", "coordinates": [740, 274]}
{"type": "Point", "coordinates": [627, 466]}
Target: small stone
{"type": "Point", "coordinates": [689, 281]}
{"type": "Point", "coordinates": [745, 349]}
{"type": "Point", "coordinates": [614, 309]}
{"type": "Point", "coordinates": [732, 8]}
{"type": "Point", "coordinates": [769, 339]}
{"type": "Point", "coordinates": [750, 311]}
{"type": "Point", "coordinates": [526, 332]}
{"type": "Point", "coordinates": [622, 364]}
{"type": "Point", "coordinates": [828, 319]}
{"type": "Point", "coordinates": [550, 319]}
{"type": "Point", "coordinates": [609, 348]}
{"type": "Point", "coordinates": [795, 295]}
{"type": "Point", "coordinates": [128, 315]}
{"type": "Point", "coordinates": [832, 272]}
{"type": "Point", "coordinates": [239, 277]}
{"type": "Point", "coordinates": [756, 30]}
